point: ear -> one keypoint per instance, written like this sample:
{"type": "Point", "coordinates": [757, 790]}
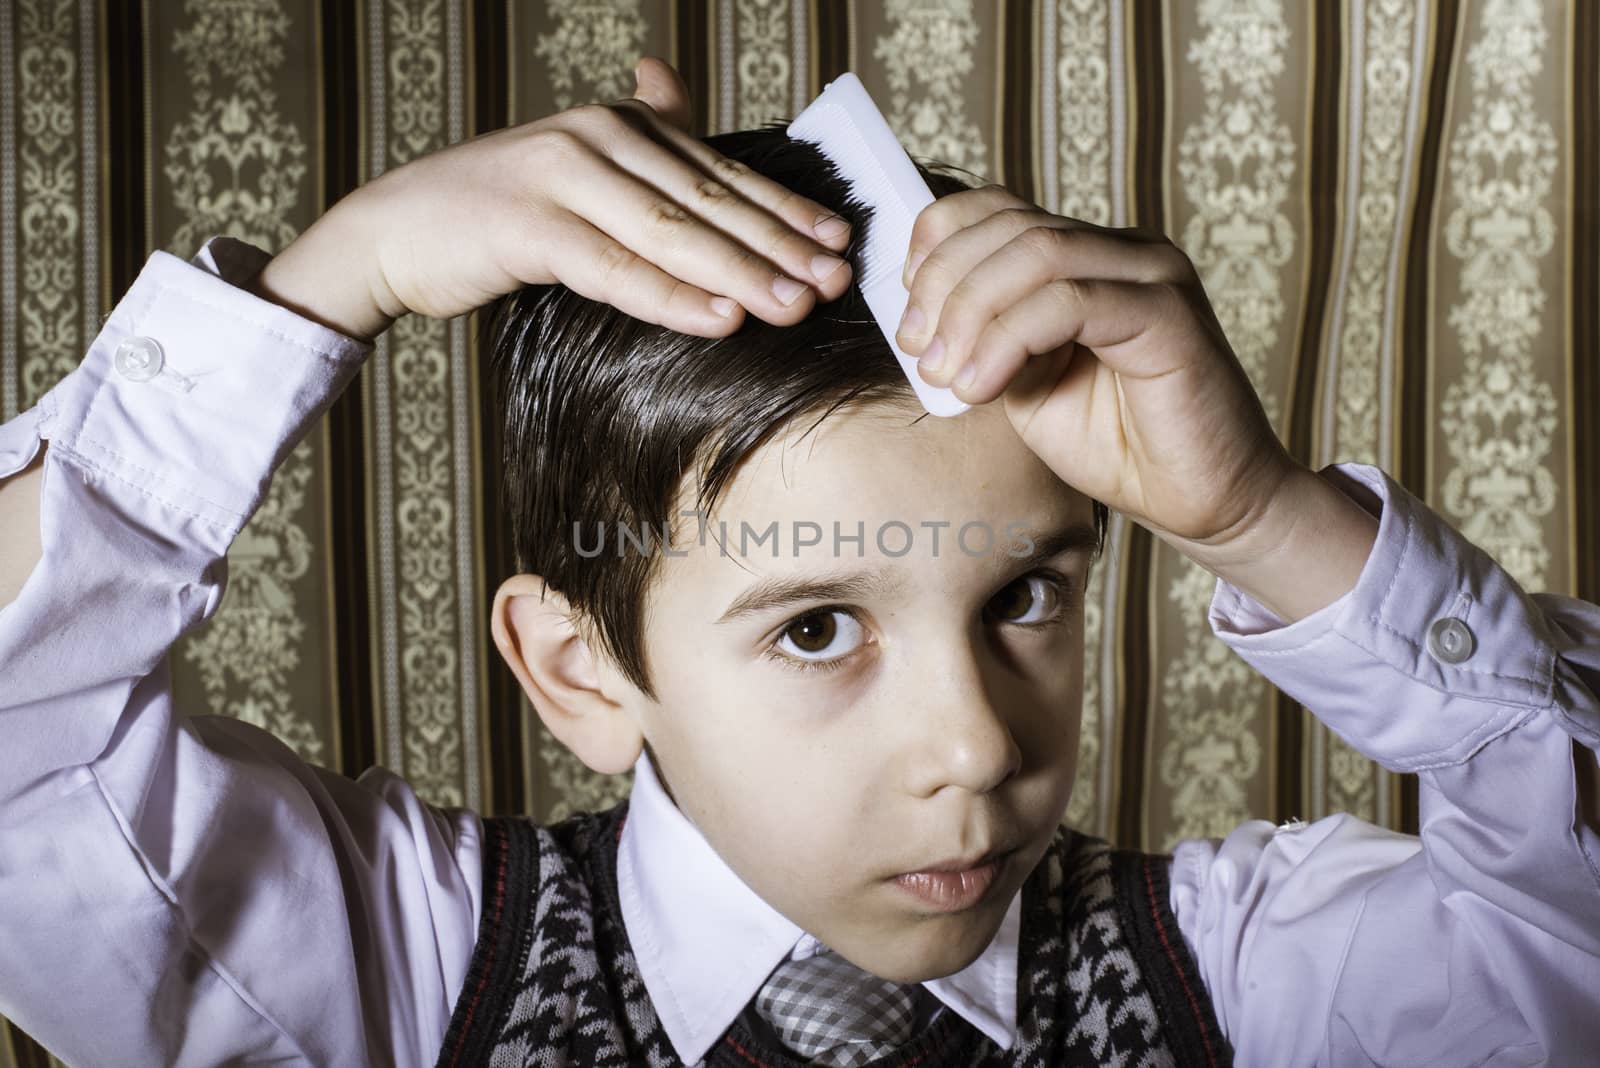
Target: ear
{"type": "Point", "coordinates": [534, 632]}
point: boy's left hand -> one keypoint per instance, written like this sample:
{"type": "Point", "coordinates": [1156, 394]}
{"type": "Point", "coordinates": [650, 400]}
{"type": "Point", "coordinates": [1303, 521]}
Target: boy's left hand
{"type": "Point", "coordinates": [1112, 367]}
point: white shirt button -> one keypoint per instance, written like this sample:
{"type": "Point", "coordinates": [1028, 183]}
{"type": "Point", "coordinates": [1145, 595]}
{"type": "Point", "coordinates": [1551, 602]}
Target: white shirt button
{"type": "Point", "coordinates": [138, 359]}
{"type": "Point", "coordinates": [1450, 641]}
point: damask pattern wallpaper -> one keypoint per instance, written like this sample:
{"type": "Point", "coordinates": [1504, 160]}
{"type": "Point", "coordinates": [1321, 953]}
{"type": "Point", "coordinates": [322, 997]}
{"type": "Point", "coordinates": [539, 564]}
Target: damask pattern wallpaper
{"type": "Point", "coordinates": [1392, 203]}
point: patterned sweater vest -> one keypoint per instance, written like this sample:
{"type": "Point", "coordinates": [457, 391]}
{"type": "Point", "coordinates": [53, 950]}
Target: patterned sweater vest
{"type": "Point", "coordinates": [1103, 975]}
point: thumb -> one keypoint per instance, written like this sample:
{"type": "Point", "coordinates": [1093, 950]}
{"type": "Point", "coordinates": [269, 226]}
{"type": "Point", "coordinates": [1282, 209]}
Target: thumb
{"type": "Point", "coordinates": [658, 85]}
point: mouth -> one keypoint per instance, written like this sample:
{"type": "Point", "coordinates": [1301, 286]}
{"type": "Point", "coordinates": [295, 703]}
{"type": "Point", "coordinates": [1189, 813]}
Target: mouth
{"type": "Point", "coordinates": [957, 864]}
{"type": "Point", "coordinates": [953, 885]}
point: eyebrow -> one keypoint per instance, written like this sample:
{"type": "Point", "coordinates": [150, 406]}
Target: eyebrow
{"type": "Point", "coordinates": [886, 580]}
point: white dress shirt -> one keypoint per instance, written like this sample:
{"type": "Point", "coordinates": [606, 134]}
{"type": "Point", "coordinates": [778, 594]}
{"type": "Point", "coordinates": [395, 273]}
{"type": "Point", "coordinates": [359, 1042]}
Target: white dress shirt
{"type": "Point", "coordinates": [181, 889]}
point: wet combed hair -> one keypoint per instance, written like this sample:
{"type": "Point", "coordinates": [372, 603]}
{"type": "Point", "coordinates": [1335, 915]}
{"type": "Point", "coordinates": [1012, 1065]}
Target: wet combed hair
{"type": "Point", "coordinates": [606, 415]}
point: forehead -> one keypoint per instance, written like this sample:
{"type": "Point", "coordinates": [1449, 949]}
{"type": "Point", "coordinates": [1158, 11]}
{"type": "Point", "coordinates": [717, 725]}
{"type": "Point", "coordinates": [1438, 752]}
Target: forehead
{"type": "Point", "coordinates": [878, 466]}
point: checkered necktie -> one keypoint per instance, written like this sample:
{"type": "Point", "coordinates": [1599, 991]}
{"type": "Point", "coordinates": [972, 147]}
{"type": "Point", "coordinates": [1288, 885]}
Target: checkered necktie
{"type": "Point", "coordinates": [828, 1010]}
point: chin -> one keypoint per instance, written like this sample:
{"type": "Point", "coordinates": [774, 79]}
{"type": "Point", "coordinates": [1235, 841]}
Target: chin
{"type": "Point", "coordinates": [938, 949]}
{"type": "Point", "coordinates": [935, 966]}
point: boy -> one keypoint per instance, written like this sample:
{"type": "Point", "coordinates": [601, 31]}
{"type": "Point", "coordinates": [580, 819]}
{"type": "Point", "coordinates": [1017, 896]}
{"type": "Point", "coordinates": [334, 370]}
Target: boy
{"type": "Point", "coordinates": [850, 766]}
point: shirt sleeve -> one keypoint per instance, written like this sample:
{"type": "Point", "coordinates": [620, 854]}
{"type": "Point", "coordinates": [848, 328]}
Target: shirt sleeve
{"type": "Point", "coordinates": [182, 889]}
{"type": "Point", "coordinates": [1341, 943]}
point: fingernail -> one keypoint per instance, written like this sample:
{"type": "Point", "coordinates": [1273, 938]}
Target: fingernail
{"type": "Point", "coordinates": [933, 355]}
{"type": "Point", "coordinates": [911, 266]}
{"type": "Point", "coordinates": [823, 266]}
{"type": "Point", "coordinates": [829, 226]}
{"type": "Point", "coordinates": [967, 375]}
{"type": "Point", "coordinates": [914, 321]}
{"type": "Point", "coordinates": [786, 289]}
{"type": "Point", "coordinates": [723, 306]}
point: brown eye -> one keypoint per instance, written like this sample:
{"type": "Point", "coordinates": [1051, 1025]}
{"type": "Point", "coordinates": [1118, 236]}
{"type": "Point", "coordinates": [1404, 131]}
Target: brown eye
{"type": "Point", "coordinates": [813, 634]}
{"type": "Point", "coordinates": [822, 639]}
{"type": "Point", "coordinates": [1031, 599]}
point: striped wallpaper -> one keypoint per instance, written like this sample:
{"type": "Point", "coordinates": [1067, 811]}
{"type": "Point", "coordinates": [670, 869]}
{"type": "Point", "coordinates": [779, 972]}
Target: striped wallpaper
{"type": "Point", "coordinates": [1393, 204]}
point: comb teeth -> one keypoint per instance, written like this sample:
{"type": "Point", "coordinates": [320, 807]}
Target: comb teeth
{"type": "Point", "coordinates": [852, 133]}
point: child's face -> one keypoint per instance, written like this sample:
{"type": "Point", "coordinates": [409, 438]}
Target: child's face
{"type": "Point", "coordinates": [947, 726]}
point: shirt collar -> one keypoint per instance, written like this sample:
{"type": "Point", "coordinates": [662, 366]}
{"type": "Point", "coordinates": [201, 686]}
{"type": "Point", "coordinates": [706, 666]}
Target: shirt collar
{"type": "Point", "coordinates": [705, 941]}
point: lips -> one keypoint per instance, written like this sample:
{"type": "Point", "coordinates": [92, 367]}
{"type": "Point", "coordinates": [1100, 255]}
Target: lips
{"type": "Point", "coordinates": [957, 864]}
{"type": "Point", "coordinates": [954, 889]}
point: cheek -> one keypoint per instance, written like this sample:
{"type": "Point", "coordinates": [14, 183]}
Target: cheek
{"type": "Point", "coordinates": [1066, 693]}
{"type": "Point", "coordinates": [1053, 699]}
{"type": "Point", "coordinates": [785, 830]}
{"type": "Point", "coordinates": [799, 797]}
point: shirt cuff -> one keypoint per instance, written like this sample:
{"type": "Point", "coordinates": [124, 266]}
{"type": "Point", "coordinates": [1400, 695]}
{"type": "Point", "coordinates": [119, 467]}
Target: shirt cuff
{"type": "Point", "coordinates": [196, 389]}
{"type": "Point", "coordinates": [1434, 652]}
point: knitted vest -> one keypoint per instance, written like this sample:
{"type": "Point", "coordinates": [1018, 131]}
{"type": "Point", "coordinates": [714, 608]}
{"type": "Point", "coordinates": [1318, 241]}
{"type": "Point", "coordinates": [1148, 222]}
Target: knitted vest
{"type": "Point", "coordinates": [1103, 975]}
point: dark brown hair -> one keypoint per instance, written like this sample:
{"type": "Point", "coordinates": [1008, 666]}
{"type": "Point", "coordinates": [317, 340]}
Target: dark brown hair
{"type": "Point", "coordinates": [605, 415]}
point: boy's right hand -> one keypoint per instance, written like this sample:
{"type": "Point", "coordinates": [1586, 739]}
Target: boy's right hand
{"type": "Point", "coordinates": [615, 201]}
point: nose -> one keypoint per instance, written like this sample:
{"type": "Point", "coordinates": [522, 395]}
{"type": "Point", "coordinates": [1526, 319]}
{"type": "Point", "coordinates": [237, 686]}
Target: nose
{"type": "Point", "coordinates": [962, 736]}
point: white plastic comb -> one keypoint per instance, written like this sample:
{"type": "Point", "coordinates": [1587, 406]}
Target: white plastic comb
{"type": "Point", "coordinates": [852, 133]}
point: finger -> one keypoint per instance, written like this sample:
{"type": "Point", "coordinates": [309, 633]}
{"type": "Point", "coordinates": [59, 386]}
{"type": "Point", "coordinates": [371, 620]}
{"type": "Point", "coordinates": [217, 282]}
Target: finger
{"type": "Point", "coordinates": [950, 214]}
{"type": "Point", "coordinates": [1065, 378]}
{"type": "Point", "coordinates": [725, 207]}
{"type": "Point", "coordinates": [658, 84]}
{"type": "Point", "coordinates": [602, 269]}
{"type": "Point", "coordinates": [978, 272]}
{"type": "Point", "coordinates": [1107, 317]}
{"type": "Point", "coordinates": [802, 214]}
{"type": "Point", "coordinates": [654, 225]}
{"type": "Point", "coordinates": [955, 258]}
